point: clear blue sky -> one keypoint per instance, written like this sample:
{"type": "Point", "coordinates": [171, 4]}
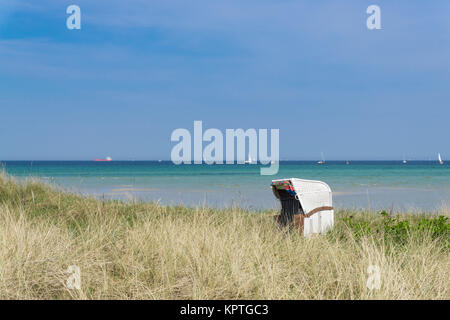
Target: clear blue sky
{"type": "Point", "coordinates": [137, 70]}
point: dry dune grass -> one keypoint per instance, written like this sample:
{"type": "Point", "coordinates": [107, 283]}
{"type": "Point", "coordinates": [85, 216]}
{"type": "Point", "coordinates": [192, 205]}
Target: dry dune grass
{"type": "Point", "coordinates": [147, 251]}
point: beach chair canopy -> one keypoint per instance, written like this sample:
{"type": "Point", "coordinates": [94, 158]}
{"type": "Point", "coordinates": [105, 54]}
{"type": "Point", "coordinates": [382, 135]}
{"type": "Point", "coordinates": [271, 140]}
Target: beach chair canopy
{"type": "Point", "coordinates": [309, 198]}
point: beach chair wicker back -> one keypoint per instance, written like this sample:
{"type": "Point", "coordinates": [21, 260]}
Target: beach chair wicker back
{"type": "Point", "coordinates": [290, 206]}
{"type": "Point", "coordinates": [305, 204]}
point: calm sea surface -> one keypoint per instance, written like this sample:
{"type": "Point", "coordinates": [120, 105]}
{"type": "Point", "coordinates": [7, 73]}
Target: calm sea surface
{"type": "Point", "coordinates": [361, 184]}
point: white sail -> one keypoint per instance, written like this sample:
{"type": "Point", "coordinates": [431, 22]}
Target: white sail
{"type": "Point", "coordinates": [440, 159]}
{"type": "Point", "coordinates": [323, 159]}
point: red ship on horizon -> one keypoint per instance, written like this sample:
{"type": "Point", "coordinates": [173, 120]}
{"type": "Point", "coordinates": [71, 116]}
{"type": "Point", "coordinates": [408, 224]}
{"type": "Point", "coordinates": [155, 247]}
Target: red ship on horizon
{"type": "Point", "coordinates": [106, 159]}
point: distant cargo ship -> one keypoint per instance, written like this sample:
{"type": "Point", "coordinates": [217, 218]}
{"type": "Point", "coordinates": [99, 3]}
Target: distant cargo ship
{"type": "Point", "coordinates": [106, 159]}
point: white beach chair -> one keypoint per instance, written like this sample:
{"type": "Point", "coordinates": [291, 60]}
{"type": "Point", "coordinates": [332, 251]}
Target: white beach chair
{"type": "Point", "coordinates": [305, 205]}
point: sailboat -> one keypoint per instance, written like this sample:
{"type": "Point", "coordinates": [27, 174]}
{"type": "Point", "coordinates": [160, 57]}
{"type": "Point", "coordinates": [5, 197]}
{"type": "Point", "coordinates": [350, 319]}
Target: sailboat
{"type": "Point", "coordinates": [321, 161]}
{"type": "Point", "coordinates": [249, 161]}
{"type": "Point", "coordinates": [404, 160]}
{"type": "Point", "coordinates": [440, 159]}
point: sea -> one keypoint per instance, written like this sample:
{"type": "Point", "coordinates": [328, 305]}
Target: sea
{"type": "Point", "coordinates": [373, 185]}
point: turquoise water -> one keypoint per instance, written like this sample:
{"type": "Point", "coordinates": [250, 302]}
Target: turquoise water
{"type": "Point", "coordinates": [361, 184]}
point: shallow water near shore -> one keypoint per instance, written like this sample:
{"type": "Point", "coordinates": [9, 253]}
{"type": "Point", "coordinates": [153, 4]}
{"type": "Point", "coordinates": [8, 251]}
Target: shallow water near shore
{"type": "Point", "coordinates": [417, 185]}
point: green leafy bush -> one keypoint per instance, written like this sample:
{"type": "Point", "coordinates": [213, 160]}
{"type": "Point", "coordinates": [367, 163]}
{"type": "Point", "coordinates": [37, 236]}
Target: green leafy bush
{"type": "Point", "coordinates": [395, 230]}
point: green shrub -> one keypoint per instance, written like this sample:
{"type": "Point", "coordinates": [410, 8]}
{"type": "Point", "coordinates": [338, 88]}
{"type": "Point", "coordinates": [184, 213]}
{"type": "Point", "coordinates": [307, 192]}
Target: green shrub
{"type": "Point", "coordinates": [397, 231]}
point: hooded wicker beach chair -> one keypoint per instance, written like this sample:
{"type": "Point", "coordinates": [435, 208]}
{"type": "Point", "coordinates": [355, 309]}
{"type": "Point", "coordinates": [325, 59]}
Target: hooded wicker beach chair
{"type": "Point", "coordinates": [306, 205]}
